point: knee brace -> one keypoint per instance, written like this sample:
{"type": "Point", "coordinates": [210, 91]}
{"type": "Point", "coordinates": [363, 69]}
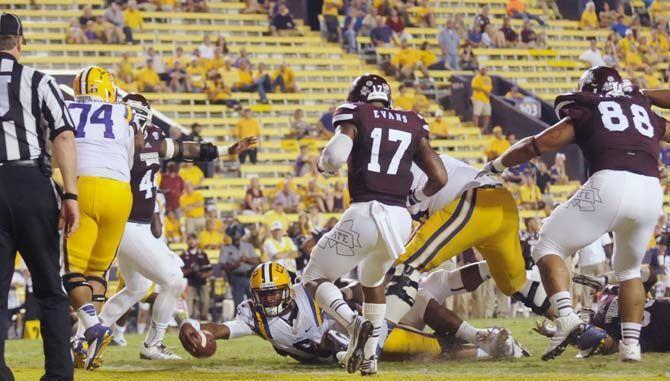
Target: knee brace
{"type": "Point", "coordinates": [534, 297]}
{"type": "Point", "coordinates": [404, 284]}
{"type": "Point", "coordinates": [69, 284]}
{"type": "Point", "coordinates": [99, 298]}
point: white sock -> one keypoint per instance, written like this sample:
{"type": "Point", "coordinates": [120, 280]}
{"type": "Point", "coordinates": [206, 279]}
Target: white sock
{"type": "Point", "coordinates": [467, 332]}
{"type": "Point", "coordinates": [119, 330]}
{"type": "Point", "coordinates": [374, 313]}
{"type": "Point", "coordinates": [80, 329]}
{"type": "Point", "coordinates": [630, 333]}
{"type": "Point", "coordinates": [330, 300]}
{"type": "Point", "coordinates": [155, 334]}
{"type": "Point", "coordinates": [87, 315]}
{"type": "Point", "coordinates": [562, 303]}
{"type": "Point", "coordinates": [141, 327]}
{"type": "Point", "coordinates": [484, 271]}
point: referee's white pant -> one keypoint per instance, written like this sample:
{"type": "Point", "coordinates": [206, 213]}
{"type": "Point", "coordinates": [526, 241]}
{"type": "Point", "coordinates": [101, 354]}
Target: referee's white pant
{"type": "Point", "coordinates": [144, 259]}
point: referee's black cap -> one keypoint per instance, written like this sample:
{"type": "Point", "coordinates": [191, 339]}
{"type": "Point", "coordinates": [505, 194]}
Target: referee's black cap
{"type": "Point", "coordinates": [10, 25]}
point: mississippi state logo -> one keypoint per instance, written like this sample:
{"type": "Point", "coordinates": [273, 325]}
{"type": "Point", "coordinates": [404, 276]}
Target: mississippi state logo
{"type": "Point", "coordinates": [586, 199]}
{"type": "Point", "coordinates": [343, 238]}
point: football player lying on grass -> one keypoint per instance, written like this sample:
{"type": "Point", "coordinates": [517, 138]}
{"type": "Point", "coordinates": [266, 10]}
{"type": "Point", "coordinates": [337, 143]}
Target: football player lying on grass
{"type": "Point", "coordinates": [288, 318]}
{"type": "Point", "coordinates": [604, 331]}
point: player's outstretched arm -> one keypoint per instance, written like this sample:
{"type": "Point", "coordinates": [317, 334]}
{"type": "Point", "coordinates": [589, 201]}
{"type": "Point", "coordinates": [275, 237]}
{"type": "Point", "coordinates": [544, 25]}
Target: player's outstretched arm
{"type": "Point", "coordinates": [202, 151]}
{"type": "Point", "coordinates": [431, 164]}
{"type": "Point", "coordinates": [659, 97]}
{"type": "Point", "coordinates": [550, 140]}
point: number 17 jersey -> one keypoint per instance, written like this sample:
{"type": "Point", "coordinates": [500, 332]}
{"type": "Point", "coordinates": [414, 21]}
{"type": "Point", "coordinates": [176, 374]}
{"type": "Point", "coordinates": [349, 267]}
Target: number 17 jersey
{"type": "Point", "coordinates": [386, 143]}
{"type": "Point", "coordinates": [615, 131]}
{"type": "Point", "coordinates": [104, 138]}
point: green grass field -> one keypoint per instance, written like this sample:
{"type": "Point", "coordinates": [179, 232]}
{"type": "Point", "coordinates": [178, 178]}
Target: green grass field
{"type": "Point", "coordinates": [252, 359]}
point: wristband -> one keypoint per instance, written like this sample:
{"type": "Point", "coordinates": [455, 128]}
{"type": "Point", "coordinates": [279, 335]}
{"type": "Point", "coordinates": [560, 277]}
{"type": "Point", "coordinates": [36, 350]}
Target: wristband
{"type": "Point", "coordinates": [208, 152]}
{"type": "Point", "coordinates": [497, 165]}
{"type": "Point", "coordinates": [69, 196]}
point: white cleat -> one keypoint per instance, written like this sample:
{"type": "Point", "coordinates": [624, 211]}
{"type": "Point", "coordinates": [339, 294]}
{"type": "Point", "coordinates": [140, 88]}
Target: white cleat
{"type": "Point", "coordinates": [369, 367]}
{"type": "Point", "coordinates": [361, 332]}
{"type": "Point", "coordinates": [629, 352]}
{"type": "Point", "coordinates": [157, 352]}
{"type": "Point", "coordinates": [494, 341]}
{"type": "Point", "coordinates": [118, 338]}
{"type": "Point", "coordinates": [567, 330]}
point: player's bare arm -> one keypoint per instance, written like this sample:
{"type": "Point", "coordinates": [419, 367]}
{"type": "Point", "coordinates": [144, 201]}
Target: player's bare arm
{"type": "Point", "coordinates": [658, 97]}
{"type": "Point", "coordinates": [156, 225]}
{"type": "Point", "coordinates": [550, 140]}
{"type": "Point", "coordinates": [202, 151]}
{"type": "Point", "coordinates": [666, 136]}
{"type": "Point", "coordinates": [431, 164]}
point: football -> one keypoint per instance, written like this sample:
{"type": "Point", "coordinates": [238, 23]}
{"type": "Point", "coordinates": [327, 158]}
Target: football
{"type": "Point", "coordinates": [199, 343]}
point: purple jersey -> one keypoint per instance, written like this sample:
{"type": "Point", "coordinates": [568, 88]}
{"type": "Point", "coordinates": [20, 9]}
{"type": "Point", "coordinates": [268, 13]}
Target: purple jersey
{"type": "Point", "coordinates": [655, 334]}
{"type": "Point", "coordinates": [618, 132]}
{"type": "Point", "coordinates": [143, 176]}
{"type": "Point", "coordinates": [386, 143]}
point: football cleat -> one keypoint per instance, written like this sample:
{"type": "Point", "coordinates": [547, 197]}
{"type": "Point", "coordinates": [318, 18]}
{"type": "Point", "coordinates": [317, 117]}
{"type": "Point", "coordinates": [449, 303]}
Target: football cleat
{"type": "Point", "coordinates": [362, 330]}
{"type": "Point", "coordinates": [568, 329]}
{"type": "Point", "coordinates": [369, 367]}
{"type": "Point", "coordinates": [98, 338]}
{"type": "Point", "coordinates": [629, 352]}
{"type": "Point", "coordinates": [118, 338]}
{"type": "Point", "coordinates": [591, 341]}
{"type": "Point", "coordinates": [79, 348]}
{"type": "Point", "coordinates": [518, 350]}
{"type": "Point", "coordinates": [157, 352]}
{"type": "Point", "coordinates": [494, 341]}
{"type": "Point", "coordinates": [596, 282]}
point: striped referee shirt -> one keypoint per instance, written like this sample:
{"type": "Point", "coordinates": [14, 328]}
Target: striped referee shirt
{"type": "Point", "coordinates": [31, 104]}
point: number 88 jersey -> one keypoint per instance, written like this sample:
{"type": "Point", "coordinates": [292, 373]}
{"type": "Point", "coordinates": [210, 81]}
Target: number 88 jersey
{"type": "Point", "coordinates": [615, 131]}
{"type": "Point", "coordinates": [385, 146]}
{"type": "Point", "coordinates": [143, 181]}
{"type": "Point", "coordinates": [104, 139]}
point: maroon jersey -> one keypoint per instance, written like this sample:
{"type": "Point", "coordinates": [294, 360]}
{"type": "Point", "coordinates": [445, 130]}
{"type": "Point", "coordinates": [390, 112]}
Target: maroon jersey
{"type": "Point", "coordinates": [143, 176]}
{"type": "Point", "coordinates": [618, 132]}
{"type": "Point", "coordinates": [386, 143]}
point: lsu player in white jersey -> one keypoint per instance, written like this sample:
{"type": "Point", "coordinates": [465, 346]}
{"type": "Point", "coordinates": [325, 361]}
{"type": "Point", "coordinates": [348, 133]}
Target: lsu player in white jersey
{"type": "Point", "coordinates": [106, 135]}
{"type": "Point", "coordinates": [468, 212]}
{"type": "Point", "coordinates": [143, 257]}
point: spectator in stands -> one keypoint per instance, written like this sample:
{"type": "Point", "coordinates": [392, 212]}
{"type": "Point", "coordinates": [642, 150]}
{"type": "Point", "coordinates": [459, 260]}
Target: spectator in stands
{"type": "Point", "coordinates": [468, 60]}
{"type": "Point", "coordinates": [132, 18]}
{"type": "Point", "coordinates": [475, 36]}
{"type": "Point", "coordinates": [482, 85]}
{"type": "Point", "coordinates": [222, 44]}
{"type": "Point", "coordinates": [558, 173]}
{"type": "Point", "coordinates": [179, 80]}
{"type": "Point", "coordinates": [369, 22]}
{"type": "Point", "coordinates": [218, 60]}
{"type": "Point", "coordinates": [650, 77]}
{"type": "Point", "coordinates": [86, 16]}
{"type": "Point", "coordinates": [75, 33]}
{"type": "Point", "coordinates": [158, 62]}
{"type": "Point", "coordinates": [193, 205]}
{"type": "Point", "coordinates": [460, 27]}
{"type": "Point", "coordinates": [543, 177]}
{"type": "Point", "coordinates": [303, 161]}
{"type": "Point", "coordinates": [278, 247]}
{"type": "Point", "coordinates": [498, 144]}
{"type": "Point", "coordinates": [173, 232]}
{"type": "Point", "coordinates": [218, 92]}
{"type": "Point", "coordinates": [620, 26]}
{"type": "Point", "coordinates": [282, 23]}
{"type": "Point", "coordinates": [242, 59]}
{"type": "Point", "coordinates": [352, 25]}
{"type": "Point", "coordinates": [195, 6]}
{"type": "Point", "coordinates": [610, 57]}
{"type": "Point", "coordinates": [313, 196]}
{"type": "Point", "coordinates": [514, 95]}
{"type": "Point", "coordinates": [530, 196]}
{"type": "Point", "coordinates": [340, 198]}
{"type": "Point", "coordinates": [482, 19]}
{"type": "Point", "coordinates": [589, 18]}
{"type": "Point", "coordinates": [246, 127]}
{"type": "Point", "coordinates": [381, 34]}
{"type": "Point", "coordinates": [406, 61]}
{"type": "Point", "coordinates": [172, 186]}
{"type": "Point", "coordinates": [325, 123]}
{"type": "Point", "coordinates": [91, 36]}
{"type": "Point", "coordinates": [439, 128]}
{"type": "Point", "coordinates": [592, 56]}
{"type": "Point", "coordinates": [300, 128]}
{"type": "Point", "coordinates": [607, 15]}
{"type": "Point", "coordinates": [517, 9]}
{"type": "Point", "coordinates": [229, 74]}
{"type": "Point", "coordinates": [247, 83]}
{"type": "Point", "coordinates": [330, 10]}
{"type": "Point", "coordinates": [191, 173]}
{"type": "Point", "coordinates": [511, 37]}
{"type": "Point", "coordinates": [253, 7]}
{"type": "Point", "coordinates": [425, 14]}
{"type": "Point", "coordinates": [238, 259]}
{"type": "Point", "coordinates": [254, 200]}
{"type": "Point", "coordinates": [197, 270]}
{"type": "Point", "coordinates": [206, 49]}
{"type": "Point", "coordinates": [428, 58]}
{"type": "Point", "coordinates": [211, 213]}
{"type": "Point", "coordinates": [284, 75]}
{"type": "Point", "coordinates": [397, 25]}
{"type": "Point", "coordinates": [404, 100]}
{"type": "Point", "coordinates": [276, 214]}
{"type": "Point", "coordinates": [529, 38]}
{"type": "Point", "coordinates": [529, 237]}
{"type": "Point", "coordinates": [449, 40]}
{"type": "Point", "coordinates": [210, 238]}
{"type": "Point", "coordinates": [288, 199]}
{"type": "Point", "coordinates": [114, 17]}
{"type": "Point", "coordinates": [148, 79]}
{"type": "Point", "coordinates": [262, 78]}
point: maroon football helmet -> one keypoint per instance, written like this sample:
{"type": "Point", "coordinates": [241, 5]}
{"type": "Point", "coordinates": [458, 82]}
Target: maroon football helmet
{"type": "Point", "coordinates": [370, 88]}
{"type": "Point", "coordinates": [600, 79]}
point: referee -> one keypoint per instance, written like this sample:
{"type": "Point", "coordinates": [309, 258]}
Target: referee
{"type": "Point", "coordinates": [31, 109]}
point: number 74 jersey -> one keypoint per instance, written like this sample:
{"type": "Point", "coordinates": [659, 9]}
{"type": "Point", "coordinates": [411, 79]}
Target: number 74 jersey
{"type": "Point", "coordinates": [615, 131]}
{"type": "Point", "coordinates": [104, 138]}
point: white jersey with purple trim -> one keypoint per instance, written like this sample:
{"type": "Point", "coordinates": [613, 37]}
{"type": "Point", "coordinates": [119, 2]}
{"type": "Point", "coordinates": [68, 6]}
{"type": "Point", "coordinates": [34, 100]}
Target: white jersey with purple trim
{"type": "Point", "coordinates": [104, 138]}
{"type": "Point", "coordinates": [296, 333]}
{"type": "Point", "coordinates": [460, 177]}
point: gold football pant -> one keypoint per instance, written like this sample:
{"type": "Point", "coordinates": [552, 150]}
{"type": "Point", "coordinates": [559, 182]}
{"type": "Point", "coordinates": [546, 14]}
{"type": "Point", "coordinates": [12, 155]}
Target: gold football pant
{"type": "Point", "coordinates": [484, 218]}
{"type": "Point", "coordinates": [104, 207]}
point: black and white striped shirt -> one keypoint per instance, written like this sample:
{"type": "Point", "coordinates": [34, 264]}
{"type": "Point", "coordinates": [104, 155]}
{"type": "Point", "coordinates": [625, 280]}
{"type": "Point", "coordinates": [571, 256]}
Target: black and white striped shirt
{"type": "Point", "coordinates": [31, 104]}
